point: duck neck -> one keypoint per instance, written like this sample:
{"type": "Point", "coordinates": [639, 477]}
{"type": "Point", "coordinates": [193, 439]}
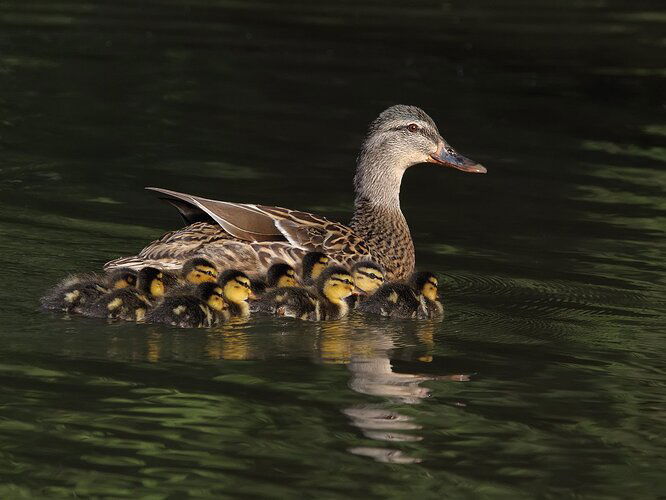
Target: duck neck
{"type": "Point", "coordinates": [377, 216]}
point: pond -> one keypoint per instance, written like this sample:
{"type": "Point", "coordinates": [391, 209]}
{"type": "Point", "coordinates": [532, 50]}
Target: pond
{"type": "Point", "coordinates": [546, 378]}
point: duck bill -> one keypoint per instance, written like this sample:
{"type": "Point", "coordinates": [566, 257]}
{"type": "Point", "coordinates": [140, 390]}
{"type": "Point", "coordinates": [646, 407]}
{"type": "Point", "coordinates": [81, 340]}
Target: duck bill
{"type": "Point", "coordinates": [447, 156]}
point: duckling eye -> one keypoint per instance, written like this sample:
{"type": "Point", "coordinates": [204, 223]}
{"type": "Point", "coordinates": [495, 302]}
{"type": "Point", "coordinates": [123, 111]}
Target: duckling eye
{"type": "Point", "coordinates": [413, 127]}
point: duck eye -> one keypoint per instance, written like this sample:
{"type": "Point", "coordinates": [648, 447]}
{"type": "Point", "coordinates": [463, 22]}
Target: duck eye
{"type": "Point", "coordinates": [412, 127]}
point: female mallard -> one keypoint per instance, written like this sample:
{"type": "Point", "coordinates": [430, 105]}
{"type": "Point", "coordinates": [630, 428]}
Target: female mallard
{"type": "Point", "coordinates": [251, 237]}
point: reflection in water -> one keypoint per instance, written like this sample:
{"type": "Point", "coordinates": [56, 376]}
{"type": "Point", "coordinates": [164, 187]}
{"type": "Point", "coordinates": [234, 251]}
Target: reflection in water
{"type": "Point", "coordinates": [228, 344]}
{"type": "Point", "coordinates": [367, 355]}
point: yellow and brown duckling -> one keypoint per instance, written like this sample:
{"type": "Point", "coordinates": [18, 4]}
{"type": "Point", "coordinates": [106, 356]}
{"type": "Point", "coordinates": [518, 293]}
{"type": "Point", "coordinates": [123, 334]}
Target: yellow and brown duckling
{"type": "Point", "coordinates": [237, 291]}
{"type": "Point", "coordinates": [426, 286]}
{"type": "Point", "coordinates": [199, 270]}
{"type": "Point", "coordinates": [81, 290]}
{"type": "Point", "coordinates": [335, 286]}
{"type": "Point", "coordinates": [394, 299]}
{"type": "Point", "coordinates": [279, 275]}
{"type": "Point", "coordinates": [368, 277]}
{"type": "Point", "coordinates": [203, 308]}
{"type": "Point", "coordinates": [289, 302]}
{"type": "Point", "coordinates": [129, 303]}
{"type": "Point", "coordinates": [313, 265]}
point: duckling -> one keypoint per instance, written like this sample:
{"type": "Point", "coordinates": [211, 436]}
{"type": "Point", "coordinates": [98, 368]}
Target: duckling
{"type": "Point", "coordinates": [203, 308]}
{"type": "Point", "coordinates": [290, 302]}
{"type": "Point", "coordinates": [335, 285]}
{"type": "Point", "coordinates": [426, 286]}
{"type": "Point", "coordinates": [75, 292]}
{"type": "Point", "coordinates": [368, 277]}
{"type": "Point", "coordinates": [279, 275]}
{"type": "Point", "coordinates": [237, 290]}
{"type": "Point", "coordinates": [393, 299]}
{"type": "Point", "coordinates": [312, 266]}
{"type": "Point", "coordinates": [199, 270]}
{"type": "Point", "coordinates": [131, 304]}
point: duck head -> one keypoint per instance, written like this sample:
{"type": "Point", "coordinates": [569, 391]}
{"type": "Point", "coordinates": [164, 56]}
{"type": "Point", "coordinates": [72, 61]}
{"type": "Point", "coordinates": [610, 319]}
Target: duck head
{"type": "Point", "coordinates": [199, 270]}
{"type": "Point", "coordinates": [336, 284]}
{"type": "Point", "coordinates": [281, 275]}
{"type": "Point", "coordinates": [236, 286]}
{"type": "Point", "coordinates": [313, 265]}
{"type": "Point", "coordinates": [425, 283]}
{"type": "Point", "coordinates": [403, 136]}
{"type": "Point", "coordinates": [368, 276]}
{"type": "Point", "coordinates": [122, 278]}
{"type": "Point", "coordinates": [213, 295]}
{"type": "Point", "coordinates": [152, 281]}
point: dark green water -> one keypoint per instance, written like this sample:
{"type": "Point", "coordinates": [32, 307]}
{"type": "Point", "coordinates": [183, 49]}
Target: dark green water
{"type": "Point", "coordinates": [547, 378]}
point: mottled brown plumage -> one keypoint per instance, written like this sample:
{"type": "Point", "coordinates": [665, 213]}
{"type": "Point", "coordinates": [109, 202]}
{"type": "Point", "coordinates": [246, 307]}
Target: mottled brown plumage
{"type": "Point", "coordinates": [252, 237]}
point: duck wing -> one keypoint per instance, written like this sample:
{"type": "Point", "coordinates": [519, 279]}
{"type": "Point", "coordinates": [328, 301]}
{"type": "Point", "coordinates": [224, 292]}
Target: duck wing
{"type": "Point", "coordinates": [262, 223]}
{"type": "Point", "coordinates": [242, 221]}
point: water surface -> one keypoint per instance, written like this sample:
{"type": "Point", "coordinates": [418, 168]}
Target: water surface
{"type": "Point", "coordinates": [547, 377]}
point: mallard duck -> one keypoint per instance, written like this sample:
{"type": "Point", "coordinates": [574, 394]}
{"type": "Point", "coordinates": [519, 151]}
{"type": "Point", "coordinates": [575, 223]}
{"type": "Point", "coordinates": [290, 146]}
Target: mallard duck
{"type": "Point", "coordinates": [74, 292]}
{"type": "Point", "coordinates": [335, 285]}
{"type": "Point", "coordinates": [368, 277]}
{"type": "Point", "coordinates": [426, 286]}
{"type": "Point", "coordinates": [312, 266]}
{"type": "Point", "coordinates": [290, 302]}
{"type": "Point", "coordinates": [395, 300]}
{"type": "Point", "coordinates": [203, 308]}
{"type": "Point", "coordinates": [237, 290]}
{"type": "Point", "coordinates": [131, 304]}
{"type": "Point", "coordinates": [250, 237]}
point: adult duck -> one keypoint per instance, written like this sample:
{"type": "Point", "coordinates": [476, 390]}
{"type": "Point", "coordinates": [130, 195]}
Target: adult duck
{"type": "Point", "coordinates": [252, 237]}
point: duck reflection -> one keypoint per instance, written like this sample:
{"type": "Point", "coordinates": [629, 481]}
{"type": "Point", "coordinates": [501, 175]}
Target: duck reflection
{"type": "Point", "coordinates": [228, 344]}
{"type": "Point", "coordinates": [367, 354]}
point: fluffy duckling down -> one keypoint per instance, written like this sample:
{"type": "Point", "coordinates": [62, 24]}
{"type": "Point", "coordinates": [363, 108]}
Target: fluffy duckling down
{"type": "Point", "coordinates": [81, 290]}
{"type": "Point", "coordinates": [394, 300]}
{"type": "Point", "coordinates": [289, 302]}
{"type": "Point", "coordinates": [312, 266]}
{"type": "Point", "coordinates": [426, 286]}
{"type": "Point", "coordinates": [199, 270]}
{"type": "Point", "coordinates": [368, 277]}
{"type": "Point", "coordinates": [279, 275]}
{"type": "Point", "coordinates": [335, 286]}
{"type": "Point", "coordinates": [204, 307]}
{"type": "Point", "coordinates": [131, 304]}
{"type": "Point", "coordinates": [237, 291]}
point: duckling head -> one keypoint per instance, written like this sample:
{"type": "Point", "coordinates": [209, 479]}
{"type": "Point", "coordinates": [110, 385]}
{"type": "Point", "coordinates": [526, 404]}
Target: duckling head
{"type": "Point", "coordinates": [236, 286]}
{"type": "Point", "coordinates": [122, 278]}
{"type": "Point", "coordinates": [199, 270]}
{"type": "Point", "coordinates": [368, 276]}
{"type": "Point", "coordinates": [151, 281]}
{"type": "Point", "coordinates": [336, 284]}
{"type": "Point", "coordinates": [425, 283]}
{"type": "Point", "coordinates": [399, 138]}
{"type": "Point", "coordinates": [213, 295]}
{"type": "Point", "coordinates": [280, 275]}
{"type": "Point", "coordinates": [313, 265]}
